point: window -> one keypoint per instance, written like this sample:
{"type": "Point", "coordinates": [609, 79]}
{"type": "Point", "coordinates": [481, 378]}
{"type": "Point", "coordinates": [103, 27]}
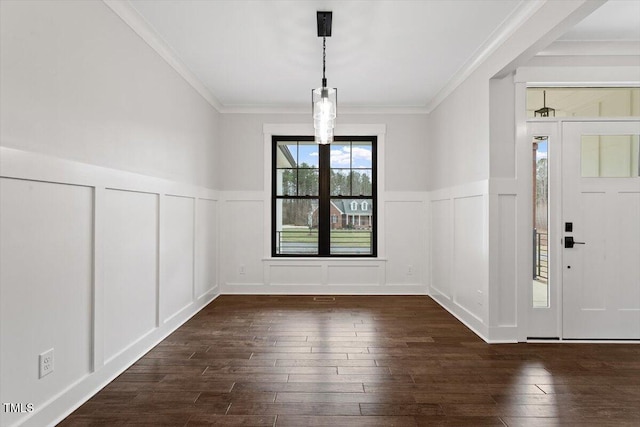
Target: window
{"type": "Point", "coordinates": [610, 156]}
{"type": "Point", "coordinates": [585, 101]}
{"type": "Point", "coordinates": [323, 197]}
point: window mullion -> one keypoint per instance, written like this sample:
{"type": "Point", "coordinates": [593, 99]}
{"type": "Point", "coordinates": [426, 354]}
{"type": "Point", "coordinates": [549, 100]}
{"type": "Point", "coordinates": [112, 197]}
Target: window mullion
{"type": "Point", "coordinates": [324, 208]}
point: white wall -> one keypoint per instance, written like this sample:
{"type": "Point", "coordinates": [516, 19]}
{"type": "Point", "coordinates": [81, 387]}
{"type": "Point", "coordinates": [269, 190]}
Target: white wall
{"type": "Point", "coordinates": [242, 148]}
{"type": "Point", "coordinates": [78, 83]}
{"type": "Point", "coordinates": [109, 214]}
{"type": "Point", "coordinates": [246, 262]}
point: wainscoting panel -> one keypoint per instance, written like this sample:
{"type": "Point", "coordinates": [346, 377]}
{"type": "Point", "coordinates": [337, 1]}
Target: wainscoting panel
{"type": "Point", "coordinates": [177, 255]}
{"type": "Point", "coordinates": [247, 266]}
{"type": "Point", "coordinates": [506, 289]}
{"type": "Point", "coordinates": [46, 288]}
{"type": "Point", "coordinates": [406, 242]}
{"type": "Point", "coordinates": [469, 254]}
{"type": "Point", "coordinates": [130, 268]}
{"type": "Point", "coordinates": [355, 275]}
{"type": "Point", "coordinates": [459, 252]}
{"type": "Point", "coordinates": [441, 247]}
{"type": "Point", "coordinates": [206, 247]}
{"type": "Point", "coordinates": [295, 274]}
{"type": "Point", "coordinates": [80, 263]}
{"type": "Point", "coordinates": [243, 244]}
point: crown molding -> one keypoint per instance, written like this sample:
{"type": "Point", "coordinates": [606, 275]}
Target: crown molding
{"type": "Point", "coordinates": [578, 76]}
{"type": "Point", "coordinates": [140, 26]}
{"type": "Point", "coordinates": [258, 109]}
{"type": "Point", "coordinates": [522, 13]}
{"type": "Point", "coordinates": [592, 48]}
{"type": "Point", "coordinates": [124, 10]}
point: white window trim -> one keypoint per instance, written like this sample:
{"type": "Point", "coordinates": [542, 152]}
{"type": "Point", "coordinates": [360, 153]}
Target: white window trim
{"type": "Point", "coordinates": [378, 130]}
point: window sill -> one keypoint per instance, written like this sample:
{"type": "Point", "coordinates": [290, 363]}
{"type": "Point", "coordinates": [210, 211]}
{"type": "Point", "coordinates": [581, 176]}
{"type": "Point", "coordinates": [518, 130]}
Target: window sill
{"type": "Point", "coordinates": [335, 259]}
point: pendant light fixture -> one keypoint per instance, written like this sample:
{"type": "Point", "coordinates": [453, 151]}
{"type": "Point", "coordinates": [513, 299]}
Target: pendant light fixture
{"type": "Point", "coordinates": [544, 111]}
{"type": "Point", "coordinates": [324, 100]}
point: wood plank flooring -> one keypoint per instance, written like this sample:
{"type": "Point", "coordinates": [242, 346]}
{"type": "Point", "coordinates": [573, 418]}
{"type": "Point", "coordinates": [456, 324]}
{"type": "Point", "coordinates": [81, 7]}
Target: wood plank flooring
{"type": "Point", "coordinates": [362, 361]}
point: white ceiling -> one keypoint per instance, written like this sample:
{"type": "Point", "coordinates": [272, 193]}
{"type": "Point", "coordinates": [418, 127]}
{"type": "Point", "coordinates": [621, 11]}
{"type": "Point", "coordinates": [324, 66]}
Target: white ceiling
{"type": "Point", "coordinates": [381, 54]}
{"type": "Point", "coordinates": [616, 20]}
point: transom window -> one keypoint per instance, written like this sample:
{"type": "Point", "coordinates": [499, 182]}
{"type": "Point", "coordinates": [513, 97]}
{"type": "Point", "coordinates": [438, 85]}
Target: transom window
{"type": "Point", "coordinates": [324, 196]}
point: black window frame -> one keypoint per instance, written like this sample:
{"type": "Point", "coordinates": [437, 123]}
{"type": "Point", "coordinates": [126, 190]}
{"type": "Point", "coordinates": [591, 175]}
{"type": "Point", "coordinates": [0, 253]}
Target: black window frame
{"type": "Point", "coordinates": [324, 196]}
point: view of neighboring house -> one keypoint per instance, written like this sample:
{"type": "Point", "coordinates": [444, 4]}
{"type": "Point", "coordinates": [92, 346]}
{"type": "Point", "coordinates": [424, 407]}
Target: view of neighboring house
{"type": "Point", "coordinates": [349, 214]}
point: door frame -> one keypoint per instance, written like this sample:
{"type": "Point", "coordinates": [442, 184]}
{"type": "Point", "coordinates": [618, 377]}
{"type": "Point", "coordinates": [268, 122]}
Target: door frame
{"type": "Point", "coordinates": [553, 128]}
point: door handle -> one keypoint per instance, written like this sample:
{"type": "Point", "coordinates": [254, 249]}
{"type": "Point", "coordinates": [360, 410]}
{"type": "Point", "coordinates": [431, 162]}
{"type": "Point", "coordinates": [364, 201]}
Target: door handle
{"type": "Point", "coordinates": [569, 242]}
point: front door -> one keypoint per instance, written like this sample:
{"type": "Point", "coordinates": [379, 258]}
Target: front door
{"type": "Point", "coordinates": [600, 230]}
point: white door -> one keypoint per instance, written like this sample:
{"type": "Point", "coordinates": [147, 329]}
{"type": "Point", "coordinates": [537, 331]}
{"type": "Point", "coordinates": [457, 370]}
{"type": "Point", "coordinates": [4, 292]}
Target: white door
{"type": "Point", "coordinates": [601, 213]}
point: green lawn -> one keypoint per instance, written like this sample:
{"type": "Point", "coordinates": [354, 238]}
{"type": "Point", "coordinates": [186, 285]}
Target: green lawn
{"type": "Point", "coordinates": [350, 238]}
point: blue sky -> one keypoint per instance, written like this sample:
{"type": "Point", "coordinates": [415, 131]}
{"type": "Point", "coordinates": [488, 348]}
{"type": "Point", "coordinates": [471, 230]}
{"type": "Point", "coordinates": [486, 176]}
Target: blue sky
{"type": "Point", "coordinates": [339, 155]}
{"type": "Point", "coordinates": [543, 148]}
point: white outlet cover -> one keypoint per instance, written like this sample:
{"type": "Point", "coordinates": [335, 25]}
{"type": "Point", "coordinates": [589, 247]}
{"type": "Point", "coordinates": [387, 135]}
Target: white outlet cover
{"type": "Point", "coordinates": [46, 363]}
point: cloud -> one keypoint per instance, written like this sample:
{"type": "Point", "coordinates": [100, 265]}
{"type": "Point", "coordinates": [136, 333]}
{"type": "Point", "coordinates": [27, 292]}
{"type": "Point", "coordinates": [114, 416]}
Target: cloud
{"type": "Point", "coordinates": [363, 154]}
{"type": "Point", "coordinates": [342, 157]}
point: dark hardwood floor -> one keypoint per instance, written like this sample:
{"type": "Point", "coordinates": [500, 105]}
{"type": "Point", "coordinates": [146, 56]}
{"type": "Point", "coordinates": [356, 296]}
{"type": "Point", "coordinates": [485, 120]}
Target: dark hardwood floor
{"type": "Point", "coordinates": [362, 361]}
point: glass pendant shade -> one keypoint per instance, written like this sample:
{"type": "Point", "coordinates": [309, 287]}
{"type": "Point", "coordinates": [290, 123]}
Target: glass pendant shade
{"type": "Point", "coordinates": [324, 101]}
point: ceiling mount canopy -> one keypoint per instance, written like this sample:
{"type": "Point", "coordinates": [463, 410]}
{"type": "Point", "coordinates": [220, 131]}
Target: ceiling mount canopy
{"type": "Point", "coordinates": [324, 23]}
{"type": "Point", "coordinates": [324, 100]}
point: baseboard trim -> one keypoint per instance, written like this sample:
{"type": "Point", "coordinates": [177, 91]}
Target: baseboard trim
{"type": "Point", "coordinates": [264, 289]}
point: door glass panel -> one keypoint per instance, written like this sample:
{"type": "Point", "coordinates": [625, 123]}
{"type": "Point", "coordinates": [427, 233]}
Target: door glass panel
{"type": "Point", "coordinates": [609, 156]}
{"type": "Point", "coordinates": [541, 223]}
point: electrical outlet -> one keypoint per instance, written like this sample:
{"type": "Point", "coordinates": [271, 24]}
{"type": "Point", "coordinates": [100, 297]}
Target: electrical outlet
{"type": "Point", "coordinates": [409, 270]}
{"type": "Point", "coordinates": [46, 363]}
{"type": "Point", "coordinates": [242, 269]}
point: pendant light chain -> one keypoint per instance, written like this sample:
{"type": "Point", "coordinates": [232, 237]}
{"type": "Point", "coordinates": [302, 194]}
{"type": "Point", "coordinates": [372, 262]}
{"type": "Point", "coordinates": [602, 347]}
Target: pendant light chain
{"type": "Point", "coordinates": [324, 61]}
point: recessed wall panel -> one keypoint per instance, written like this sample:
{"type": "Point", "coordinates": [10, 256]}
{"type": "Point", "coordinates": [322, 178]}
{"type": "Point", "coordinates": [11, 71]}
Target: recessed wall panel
{"type": "Point", "coordinates": [507, 276]}
{"type": "Point", "coordinates": [354, 275]}
{"type": "Point", "coordinates": [243, 241]}
{"type": "Point", "coordinates": [177, 250]}
{"type": "Point", "coordinates": [130, 268]}
{"type": "Point", "coordinates": [206, 243]}
{"type": "Point", "coordinates": [469, 254]}
{"type": "Point", "coordinates": [405, 242]}
{"type": "Point", "coordinates": [441, 246]}
{"type": "Point", "coordinates": [295, 274]}
{"type": "Point", "coordinates": [46, 288]}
